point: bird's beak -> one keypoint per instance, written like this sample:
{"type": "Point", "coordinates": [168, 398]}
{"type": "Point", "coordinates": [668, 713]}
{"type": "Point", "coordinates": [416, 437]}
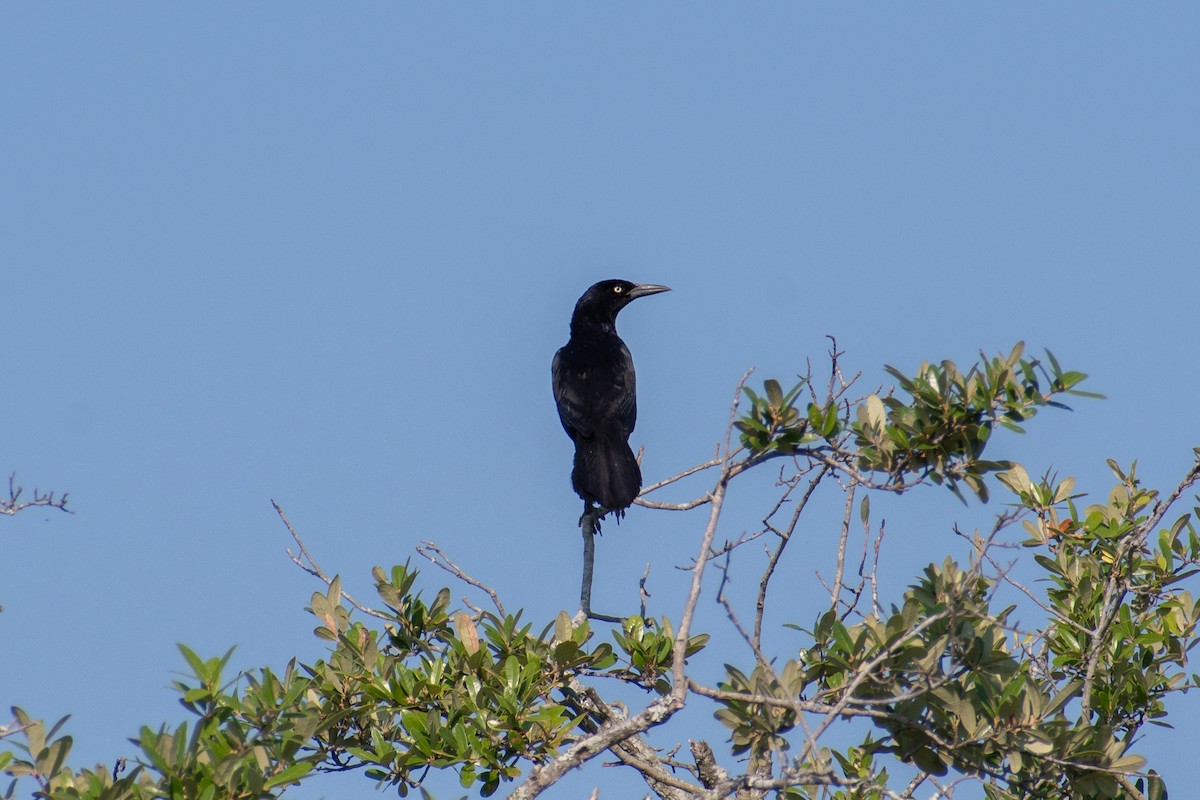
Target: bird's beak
{"type": "Point", "coordinates": [643, 289]}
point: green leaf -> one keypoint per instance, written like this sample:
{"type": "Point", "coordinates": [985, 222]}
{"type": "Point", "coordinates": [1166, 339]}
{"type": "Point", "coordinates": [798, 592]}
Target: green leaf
{"type": "Point", "coordinates": [876, 415]}
{"type": "Point", "coordinates": [1131, 763]}
{"type": "Point", "coordinates": [928, 761]}
{"type": "Point", "coordinates": [1070, 690]}
{"type": "Point", "coordinates": [774, 392]}
{"type": "Point", "coordinates": [1016, 479]}
{"type": "Point", "coordinates": [51, 760]}
{"type": "Point", "coordinates": [1039, 746]}
{"type": "Point", "coordinates": [563, 628]}
{"type": "Point", "coordinates": [291, 774]}
{"type": "Point", "coordinates": [512, 671]}
{"type": "Point", "coordinates": [194, 661]}
{"type": "Point", "coordinates": [468, 634]}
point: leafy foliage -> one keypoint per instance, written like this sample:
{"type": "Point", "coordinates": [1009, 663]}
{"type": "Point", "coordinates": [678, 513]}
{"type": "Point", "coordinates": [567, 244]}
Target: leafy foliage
{"type": "Point", "coordinates": [429, 690]}
{"type": "Point", "coordinates": [945, 684]}
{"type": "Point", "coordinates": [937, 433]}
{"type": "Point", "coordinates": [773, 424]}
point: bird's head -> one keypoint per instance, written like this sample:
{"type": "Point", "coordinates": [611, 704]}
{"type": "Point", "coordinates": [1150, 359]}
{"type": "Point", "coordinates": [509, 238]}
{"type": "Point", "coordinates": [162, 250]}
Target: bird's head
{"type": "Point", "coordinates": [603, 300]}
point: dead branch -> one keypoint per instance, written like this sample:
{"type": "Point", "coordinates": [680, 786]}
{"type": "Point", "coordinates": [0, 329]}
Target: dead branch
{"type": "Point", "coordinates": [13, 504]}
{"type": "Point", "coordinates": [314, 569]}
{"type": "Point", "coordinates": [785, 536]}
{"type": "Point", "coordinates": [431, 551]}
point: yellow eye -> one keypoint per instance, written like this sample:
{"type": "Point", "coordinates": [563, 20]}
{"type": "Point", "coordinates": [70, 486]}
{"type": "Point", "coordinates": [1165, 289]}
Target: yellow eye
{"type": "Point", "coordinates": [618, 289]}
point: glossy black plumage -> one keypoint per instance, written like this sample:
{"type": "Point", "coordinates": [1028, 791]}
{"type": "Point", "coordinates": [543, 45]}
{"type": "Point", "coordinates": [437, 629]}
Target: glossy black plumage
{"type": "Point", "coordinates": [596, 393]}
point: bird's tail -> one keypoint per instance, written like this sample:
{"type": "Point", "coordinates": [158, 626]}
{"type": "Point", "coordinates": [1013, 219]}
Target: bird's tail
{"type": "Point", "coordinates": [606, 472]}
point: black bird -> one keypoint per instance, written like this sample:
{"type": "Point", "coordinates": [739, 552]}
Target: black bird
{"type": "Point", "coordinates": [595, 389]}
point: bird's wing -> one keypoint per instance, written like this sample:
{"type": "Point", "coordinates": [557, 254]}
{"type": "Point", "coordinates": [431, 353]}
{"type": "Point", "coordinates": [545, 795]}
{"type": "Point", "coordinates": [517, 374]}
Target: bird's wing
{"type": "Point", "coordinates": [625, 389]}
{"type": "Point", "coordinates": [567, 397]}
{"type": "Point", "coordinates": [595, 395]}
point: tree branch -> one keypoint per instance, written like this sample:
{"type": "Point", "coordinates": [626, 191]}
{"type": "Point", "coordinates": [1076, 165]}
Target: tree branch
{"type": "Point", "coordinates": [13, 504]}
{"type": "Point", "coordinates": [440, 559]}
{"type": "Point", "coordinates": [314, 569]}
{"type": "Point", "coordinates": [784, 537]}
{"type": "Point", "coordinates": [588, 525]}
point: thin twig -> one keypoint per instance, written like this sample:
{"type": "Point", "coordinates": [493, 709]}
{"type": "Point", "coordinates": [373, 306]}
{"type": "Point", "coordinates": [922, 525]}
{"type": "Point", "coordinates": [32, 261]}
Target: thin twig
{"type": "Point", "coordinates": [643, 593]}
{"type": "Point", "coordinates": [841, 553]}
{"type": "Point", "coordinates": [875, 607]}
{"type": "Point", "coordinates": [443, 561]}
{"type": "Point", "coordinates": [13, 504]}
{"type": "Point", "coordinates": [733, 409]}
{"type": "Point", "coordinates": [729, 546]}
{"type": "Point", "coordinates": [314, 569]}
{"type": "Point", "coordinates": [731, 615]}
{"type": "Point", "coordinates": [714, 462]}
{"type": "Point", "coordinates": [784, 536]}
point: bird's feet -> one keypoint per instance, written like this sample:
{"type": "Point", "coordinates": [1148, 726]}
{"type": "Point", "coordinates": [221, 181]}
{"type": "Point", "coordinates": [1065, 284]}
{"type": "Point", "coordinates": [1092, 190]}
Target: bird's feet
{"type": "Point", "coordinates": [590, 520]}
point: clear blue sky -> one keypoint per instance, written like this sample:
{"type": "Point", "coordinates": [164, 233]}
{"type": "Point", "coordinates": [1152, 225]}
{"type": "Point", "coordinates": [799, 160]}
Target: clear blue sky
{"type": "Point", "coordinates": [323, 254]}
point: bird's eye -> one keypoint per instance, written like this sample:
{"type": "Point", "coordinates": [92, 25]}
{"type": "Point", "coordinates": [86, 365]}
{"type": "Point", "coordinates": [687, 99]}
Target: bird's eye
{"type": "Point", "coordinates": [618, 289]}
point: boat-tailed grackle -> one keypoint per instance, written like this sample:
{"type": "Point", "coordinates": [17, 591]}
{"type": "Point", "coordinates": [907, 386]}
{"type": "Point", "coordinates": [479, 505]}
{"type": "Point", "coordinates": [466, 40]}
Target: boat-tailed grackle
{"type": "Point", "coordinates": [595, 389]}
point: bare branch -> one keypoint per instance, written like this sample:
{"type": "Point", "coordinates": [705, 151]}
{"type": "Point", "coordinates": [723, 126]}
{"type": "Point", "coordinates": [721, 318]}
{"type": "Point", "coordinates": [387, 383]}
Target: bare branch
{"type": "Point", "coordinates": [633, 751]}
{"type": "Point", "coordinates": [914, 784]}
{"type": "Point", "coordinates": [440, 559]}
{"type": "Point", "coordinates": [729, 546]}
{"type": "Point", "coordinates": [314, 569]}
{"type": "Point", "coordinates": [842, 465]}
{"type": "Point", "coordinates": [733, 409]}
{"type": "Point", "coordinates": [643, 593]}
{"type": "Point", "coordinates": [841, 552]}
{"type": "Point", "coordinates": [13, 504]}
{"type": "Point", "coordinates": [731, 615]}
{"type": "Point", "coordinates": [784, 537]}
{"type": "Point", "coordinates": [687, 505]}
{"type": "Point", "coordinates": [588, 526]}
{"type": "Point", "coordinates": [679, 689]}
{"type": "Point", "coordinates": [544, 775]}
{"type": "Point", "coordinates": [874, 574]}
{"type": "Point", "coordinates": [711, 773]}
{"type": "Point", "coordinates": [713, 462]}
